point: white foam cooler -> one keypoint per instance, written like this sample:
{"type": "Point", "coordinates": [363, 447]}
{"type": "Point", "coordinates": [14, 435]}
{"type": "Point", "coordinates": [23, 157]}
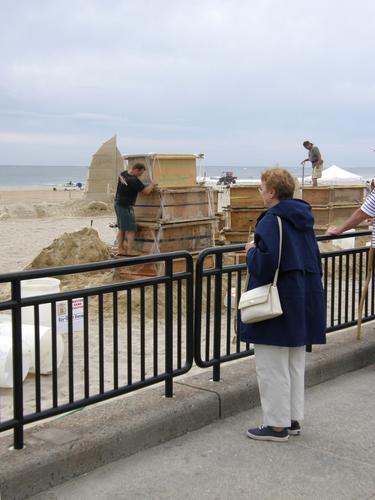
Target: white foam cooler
{"type": "Point", "coordinates": [6, 361]}
{"type": "Point", "coordinates": [28, 346]}
{"type": "Point", "coordinates": [34, 287]}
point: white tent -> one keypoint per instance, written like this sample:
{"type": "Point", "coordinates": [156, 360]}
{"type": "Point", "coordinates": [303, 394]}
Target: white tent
{"type": "Point", "coordinates": [336, 175]}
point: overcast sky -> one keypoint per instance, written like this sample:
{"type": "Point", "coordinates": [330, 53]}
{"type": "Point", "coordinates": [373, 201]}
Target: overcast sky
{"type": "Point", "coordinates": [244, 82]}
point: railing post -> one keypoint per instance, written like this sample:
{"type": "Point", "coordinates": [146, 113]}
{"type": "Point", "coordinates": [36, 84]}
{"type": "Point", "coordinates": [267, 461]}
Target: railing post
{"type": "Point", "coordinates": [17, 366]}
{"type": "Point", "coordinates": [217, 317]}
{"type": "Point", "coordinates": [190, 310]}
{"type": "Point", "coordinates": [169, 327]}
{"type": "Point", "coordinates": [197, 309]}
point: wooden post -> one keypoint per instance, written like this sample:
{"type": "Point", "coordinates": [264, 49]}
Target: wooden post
{"type": "Point", "coordinates": [364, 291]}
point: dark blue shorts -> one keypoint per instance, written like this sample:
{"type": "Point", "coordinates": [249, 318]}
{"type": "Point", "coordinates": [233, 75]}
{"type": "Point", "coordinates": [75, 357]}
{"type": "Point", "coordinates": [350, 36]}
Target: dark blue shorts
{"type": "Point", "coordinates": [125, 218]}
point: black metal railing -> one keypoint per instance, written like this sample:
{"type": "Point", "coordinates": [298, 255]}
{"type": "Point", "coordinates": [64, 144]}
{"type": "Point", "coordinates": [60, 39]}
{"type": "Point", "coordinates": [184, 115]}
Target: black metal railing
{"type": "Point", "coordinates": [137, 332]}
{"type": "Point", "coordinates": [219, 287]}
{"type": "Point", "coordinates": [344, 275]}
{"type": "Point", "coordinates": [134, 333]}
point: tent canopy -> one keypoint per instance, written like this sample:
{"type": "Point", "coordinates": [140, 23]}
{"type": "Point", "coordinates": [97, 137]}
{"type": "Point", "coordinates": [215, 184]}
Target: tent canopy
{"type": "Point", "coordinates": [337, 175]}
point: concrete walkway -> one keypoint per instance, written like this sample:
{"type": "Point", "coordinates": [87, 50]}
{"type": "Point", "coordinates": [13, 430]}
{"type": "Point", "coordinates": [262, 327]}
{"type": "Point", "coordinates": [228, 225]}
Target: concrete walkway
{"type": "Point", "coordinates": [334, 458]}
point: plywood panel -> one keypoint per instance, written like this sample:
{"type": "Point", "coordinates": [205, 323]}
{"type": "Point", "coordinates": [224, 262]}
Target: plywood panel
{"type": "Point", "coordinates": [167, 170]}
{"type": "Point", "coordinates": [338, 195]}
{"type": "Point", "coordinates": [347, 195]}
{"type": "Point", "coordinates": [332, 215]}
{"type": "Point", "coordinates": [319, 196]}
{"type": "Point", "coordinates": [170, 205]}
{"type": "Point", "coordinates": [191, 236]}
{"type": "Point", "coordinates": [234, 237]}
{"type": "Point", "coordinates": [242, 219]}
{"type": "Point", "coordinates": [245, 196]}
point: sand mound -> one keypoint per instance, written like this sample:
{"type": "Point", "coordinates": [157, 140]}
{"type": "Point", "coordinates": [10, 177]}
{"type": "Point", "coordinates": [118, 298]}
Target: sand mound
{"type": "Point", "coordinates": [73, 208]}
{"type": "Point", "coordinates": [21, 210]}
{"type": "Point", "coordinates": [92, 208]}
{"type": "Point", "coordinates": [97, 206]}
{"type": "Point", "coordinates": [72, 248]}
{"type": "Point", "coordinates": [28, 210]}
{"type": "Point", "coordinates": [4, 213]}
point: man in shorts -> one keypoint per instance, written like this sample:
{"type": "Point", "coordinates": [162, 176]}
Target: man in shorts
{"type": "Point", "coordinates": [128, 187]}
{"type": "Point", "coordinates": [316, 161]}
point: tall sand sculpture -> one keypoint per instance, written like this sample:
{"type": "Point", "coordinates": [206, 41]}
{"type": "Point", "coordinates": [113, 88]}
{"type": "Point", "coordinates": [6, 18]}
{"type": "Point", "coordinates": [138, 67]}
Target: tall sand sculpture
{"type": "Point", "coordinates": [105, 166]}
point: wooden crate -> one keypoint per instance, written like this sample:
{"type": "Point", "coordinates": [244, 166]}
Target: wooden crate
{"type": "Point", "coordinates": [216, 200]}
{"type": "Point", "coordinates": [175, 204]}
{"type": "Point", "coordinates": [236, 258]}
{"type": "Point", "coordinates": [158, 268]}
{"type": "Point", "coordinates": [337, 195]}
{"type": "Point", "coordinates": [234, 237]}
{"type": "Point", "coordinates": [194, 236]}
{"type": "Point", "coordinates": [242, 219]}
{"type": "Point", "coordinates": [245, 196]}
{"type": "Point", "coordinates": [221, 198]}
{"type": "Point", "coordinates": [333, 215]}
{"type": "Point", "coordinates": [167, 170]}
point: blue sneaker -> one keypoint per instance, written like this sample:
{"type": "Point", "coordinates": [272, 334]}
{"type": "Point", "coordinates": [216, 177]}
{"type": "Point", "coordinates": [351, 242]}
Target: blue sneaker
{"type": "Point", "coordinates": [264, 433]}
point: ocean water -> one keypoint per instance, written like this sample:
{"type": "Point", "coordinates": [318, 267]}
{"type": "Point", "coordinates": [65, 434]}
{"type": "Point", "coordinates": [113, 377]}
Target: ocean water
{"type": "Point", "coordinates": [40, 175]}
{"type": "Point", "coordinates": [43, 175]}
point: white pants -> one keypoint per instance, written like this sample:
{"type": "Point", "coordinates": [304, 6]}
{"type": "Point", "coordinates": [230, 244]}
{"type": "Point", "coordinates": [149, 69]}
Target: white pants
{"type": "Point", "coordinates": [281, 379]}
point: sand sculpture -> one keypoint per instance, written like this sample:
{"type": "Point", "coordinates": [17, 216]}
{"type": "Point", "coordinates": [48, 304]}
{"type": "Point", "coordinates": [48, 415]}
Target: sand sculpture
{"type": "Point", "coordinates": [105, 166]}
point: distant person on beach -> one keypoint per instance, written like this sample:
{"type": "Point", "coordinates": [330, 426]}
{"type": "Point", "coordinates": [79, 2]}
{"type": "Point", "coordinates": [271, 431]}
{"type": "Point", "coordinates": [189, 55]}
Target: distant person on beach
{"type": "Point", "coordinates": [366, 211]}
{"type": "Point", "coordinates": [128, 187]}
{"type": "Point", "coordinates": [280, 343]}
{"type": "Point", "coordinates": [316, 161]}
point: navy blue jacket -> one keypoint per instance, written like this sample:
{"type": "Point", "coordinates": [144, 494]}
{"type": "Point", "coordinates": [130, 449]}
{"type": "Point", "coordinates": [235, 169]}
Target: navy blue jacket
{"type": "Point", "coordinates": [299, 283]}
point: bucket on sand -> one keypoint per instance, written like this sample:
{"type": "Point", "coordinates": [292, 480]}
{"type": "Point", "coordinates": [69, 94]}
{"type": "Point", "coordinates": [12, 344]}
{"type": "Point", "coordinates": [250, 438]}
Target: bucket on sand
{"type": "Point", "coordinates": [28, 345]}
{"type": "Point", "coordinates": [6, 361]}
{"type": "Point", "coordinates": [38, 286]}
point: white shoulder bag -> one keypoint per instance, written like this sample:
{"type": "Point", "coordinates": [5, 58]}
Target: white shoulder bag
{"type": "Point", "coordinates": [263, 302]}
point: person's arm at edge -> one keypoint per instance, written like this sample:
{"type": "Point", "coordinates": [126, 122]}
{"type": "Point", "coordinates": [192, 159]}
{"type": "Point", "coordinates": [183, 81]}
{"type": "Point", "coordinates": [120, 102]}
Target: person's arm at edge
{"type": "Point", "coordinates": [356, 218]}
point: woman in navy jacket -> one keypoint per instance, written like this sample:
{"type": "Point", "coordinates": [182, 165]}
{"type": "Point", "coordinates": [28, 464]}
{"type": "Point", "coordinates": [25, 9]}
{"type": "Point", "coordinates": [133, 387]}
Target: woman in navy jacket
{"type": "Point", "coordinates": [279, 343]}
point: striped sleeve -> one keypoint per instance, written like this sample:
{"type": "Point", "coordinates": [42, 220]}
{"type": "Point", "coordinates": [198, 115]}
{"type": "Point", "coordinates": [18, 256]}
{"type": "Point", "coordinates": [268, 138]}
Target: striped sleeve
{"type": "Point", "coordinates": [368, 205]}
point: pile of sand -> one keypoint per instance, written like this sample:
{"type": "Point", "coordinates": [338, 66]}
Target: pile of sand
{"type": "Point", "coordinates": [72, 248]}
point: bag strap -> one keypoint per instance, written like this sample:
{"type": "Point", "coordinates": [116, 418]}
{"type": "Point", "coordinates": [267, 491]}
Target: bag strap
{"type": "Point", "coordinates": [280, 245]}
{"type": "Point", "coordinates": [275, 278]}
